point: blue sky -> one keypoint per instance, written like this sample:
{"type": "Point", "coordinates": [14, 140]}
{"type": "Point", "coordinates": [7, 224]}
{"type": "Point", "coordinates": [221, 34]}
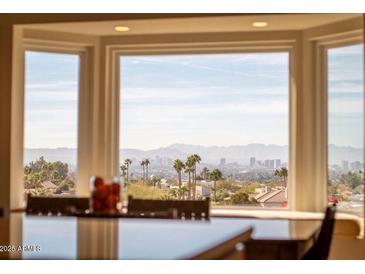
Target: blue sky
{"type": "Point", "coordinates": [346, 96]}
{"type": "Point", "coordinates": [51, 100]}
{"type": "Point", "coordinates": [212, 99]}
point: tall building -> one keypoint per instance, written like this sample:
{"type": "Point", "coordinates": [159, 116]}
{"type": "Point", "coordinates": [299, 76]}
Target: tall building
{"type": "Point", "coordinates": [345, 165]}
{"type": "Point", "coordinates": [272, 164]}
{"type": "Point", "coordinates": [223, 161]}
{"type": "Point", "coordinates": [267, 163]}
{"type": "Point", "coordinates": [277, 163]}
{"type": "Point", "coordinates": [252, 161]}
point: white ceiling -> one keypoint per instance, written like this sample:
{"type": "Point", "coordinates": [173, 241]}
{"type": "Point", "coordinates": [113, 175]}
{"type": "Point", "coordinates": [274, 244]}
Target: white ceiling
{"type": "Point", "coordinates": [226, 23]}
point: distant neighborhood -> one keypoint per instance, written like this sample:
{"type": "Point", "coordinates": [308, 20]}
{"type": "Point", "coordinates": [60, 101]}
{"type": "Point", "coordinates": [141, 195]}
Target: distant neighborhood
{"type": "Point", "coordinates": [255, 182]}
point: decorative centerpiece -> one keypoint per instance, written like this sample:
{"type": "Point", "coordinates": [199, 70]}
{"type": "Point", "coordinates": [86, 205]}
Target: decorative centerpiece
{"type": "Point", "coordinates": [105, 197]}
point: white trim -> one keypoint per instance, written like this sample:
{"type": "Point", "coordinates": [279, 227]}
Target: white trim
{"type": "Point", "coordinates": [321, 127]}
{"type": "Point", "coordinates": [84, 136]}
{"type": "Point", "coordinates": [112, 114]}
{"type": "Point", "coordinates": [322, 46]}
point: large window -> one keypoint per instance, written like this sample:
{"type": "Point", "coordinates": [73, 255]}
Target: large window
{"type": "Point", "coordinates": [206, 125]}
{"type": "Point", "coordinates": [50, 123]}
{"type": "Point", "coordinates": [346, 127]}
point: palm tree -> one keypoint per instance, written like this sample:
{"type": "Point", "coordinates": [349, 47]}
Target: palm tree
{"type": "Point", "coordinates": [205, 173]}
{"type": "Point", "coordinates": [143, 170]}
{"type": "Point", "coordinates": [182, 191]}
{"type": "Point", "coordinates": [195, 158]}
{"type": "Point", "coordinates": [189, 168]}
{"type": "Point", "coordinates": [179, 166]}
{"type": "Point", "coordinates": [146, 162]}
{"type": "Point", "coordinates": [282, 173]}
{"type": "Point", "coordinates": [173, 193]}
{"type": "Point", "coordinates": [123, 169]}
{"type": "Point", "coordinates": [215, 175]}
{"type": "Point", "coordinates": [156, 181]}
{"type": "Point", "coordinates": [127, 163]}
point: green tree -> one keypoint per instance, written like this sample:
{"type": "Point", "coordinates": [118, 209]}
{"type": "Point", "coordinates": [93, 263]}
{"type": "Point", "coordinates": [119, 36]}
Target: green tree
{"type": "Point", "coordinates": [240, 197]}
{"type": "Point", "coordinates": [182, 190]}
{"type": "Point", "coordinates": [143, 164]}
{"type": "Point", "coordinates": [146, 162]}
{"type": "Point", "coordinates": [189, 168]}
{"type": "Point", "coordinates": [40, 170]}
{"type": "Point", "coordinates": [205, 173]}
{"type": "Point", "coordinates": [228, 185]}
{"type": "Point", "coordinates": [194, 159]}
{"type": "Point", "coordinates": [123, 170]}
{"type": "Point", "coordinates": [251, 187]}
{"type": "Point", "coordinates": [215, 175]}
{"type": "Point", "coordinates": [60, 171]}
{"type": "Point", "coordinates": [35, 180]}
{"type": "Point", "coordinates": [179, 166]}
{"type": "Point", "coordinates": [127, 163]}
{"type": "Point", "coordinates": [351, 179]}
{"type": "Point", "coordinates": [156, 181]}
{"type": "Point", "coordinates": [282, 173]}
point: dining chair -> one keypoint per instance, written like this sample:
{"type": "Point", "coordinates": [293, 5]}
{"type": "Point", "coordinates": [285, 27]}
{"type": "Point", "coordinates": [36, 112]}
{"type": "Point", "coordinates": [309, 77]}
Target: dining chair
{"type": "Point", "coordinates": [320, 249]}
{"type": "Point", "coordinates": [184, 209]}
{"type": "Point", "coordinates": [56, 205]}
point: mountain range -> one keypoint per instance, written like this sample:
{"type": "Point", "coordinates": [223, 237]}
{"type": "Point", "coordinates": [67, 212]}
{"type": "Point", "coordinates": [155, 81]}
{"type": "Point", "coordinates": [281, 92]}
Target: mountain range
{"type": "Point", "coordinates": [210, 155]}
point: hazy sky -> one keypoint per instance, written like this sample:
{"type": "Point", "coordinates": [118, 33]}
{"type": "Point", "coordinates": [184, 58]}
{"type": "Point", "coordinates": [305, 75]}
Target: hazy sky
{"type": "Point", "coordinates": [211, 99]}
{"type": "Point", "coordinates": [215, 99]}
{"type": "Point", "coordinates": [345, 96]}
{"type": "Point", "coordinates": [51, 99]}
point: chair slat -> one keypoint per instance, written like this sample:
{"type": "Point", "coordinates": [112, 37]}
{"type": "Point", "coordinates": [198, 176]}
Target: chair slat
{"type": "Point", "coordinates": [188, 209]}
{"type": "Point", "coordinates": [56, 205]}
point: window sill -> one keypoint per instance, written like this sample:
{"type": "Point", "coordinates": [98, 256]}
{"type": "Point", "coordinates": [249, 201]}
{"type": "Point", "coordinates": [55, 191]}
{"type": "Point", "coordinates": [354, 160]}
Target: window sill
{"type": "Point", "coordinates": [346, 224]}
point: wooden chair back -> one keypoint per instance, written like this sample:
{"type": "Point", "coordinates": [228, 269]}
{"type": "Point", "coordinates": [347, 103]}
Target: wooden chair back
{"type": "Point", "coordinates": [56, 205]}
{"type": "Point", "coordinates": [321, 248]}
{"type": "Point", "coordinates": [185, 209]}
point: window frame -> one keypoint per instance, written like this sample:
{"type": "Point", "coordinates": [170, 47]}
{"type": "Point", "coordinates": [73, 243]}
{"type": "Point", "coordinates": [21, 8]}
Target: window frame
{"type": "Point", "coordinates": [321, 47]}
{"type": "Point", "coordinates": [115, 52]}
{"type": "Point", "coordinates": [84, 123]}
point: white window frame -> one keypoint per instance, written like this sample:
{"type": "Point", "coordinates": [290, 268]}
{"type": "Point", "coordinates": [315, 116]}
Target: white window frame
{"type": "Point", "coordinates": [84, 123]}
{"type": "Point", "coordinates": [114, 53]}
{"type": "Point", "coordinates": [322, 46]}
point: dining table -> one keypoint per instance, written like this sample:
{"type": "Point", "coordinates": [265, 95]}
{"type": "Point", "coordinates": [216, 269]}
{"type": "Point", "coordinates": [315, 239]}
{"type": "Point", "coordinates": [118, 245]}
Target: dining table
{"type": "Point", "coordinates": [25, 236]}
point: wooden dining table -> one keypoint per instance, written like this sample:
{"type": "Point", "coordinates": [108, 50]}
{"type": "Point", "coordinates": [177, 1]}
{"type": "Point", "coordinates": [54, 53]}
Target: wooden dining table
{"type": "Point", "coordinates": [60, 237]}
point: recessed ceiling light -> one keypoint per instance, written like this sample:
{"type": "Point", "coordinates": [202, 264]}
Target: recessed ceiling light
{"type": "Point", "coordinates": [121, 28]}
{"type": "Point", "coordinates": [259, 24]}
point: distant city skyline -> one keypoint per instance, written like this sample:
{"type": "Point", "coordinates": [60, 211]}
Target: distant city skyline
{"type": "Point", "coordinates": [212, 154]}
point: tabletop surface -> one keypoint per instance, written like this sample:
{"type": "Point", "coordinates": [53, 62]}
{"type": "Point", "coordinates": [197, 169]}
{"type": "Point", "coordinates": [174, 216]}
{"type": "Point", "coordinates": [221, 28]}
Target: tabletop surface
{"type": "Point", "coordinates": [72, 237]}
